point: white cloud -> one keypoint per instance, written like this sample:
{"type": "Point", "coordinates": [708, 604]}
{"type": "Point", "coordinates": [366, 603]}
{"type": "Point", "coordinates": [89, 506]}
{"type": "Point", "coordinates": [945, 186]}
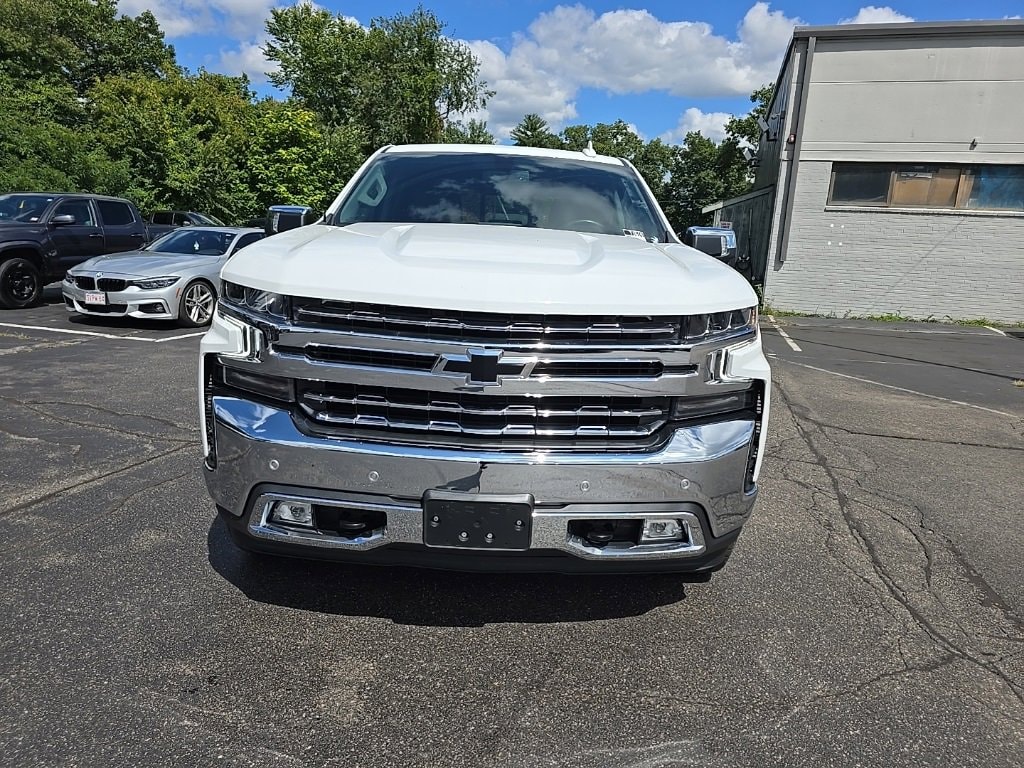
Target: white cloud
{"type": "Point", "coordinates": [711, 124]}
{"type": "Point", "coordinates": [246, 59]}
{"type": "Point", "coordinates": [241, 19]}
{"type": "Point", "coordinates": [626, 51]}
{"type": "Point", "coordinates": [872, 14]}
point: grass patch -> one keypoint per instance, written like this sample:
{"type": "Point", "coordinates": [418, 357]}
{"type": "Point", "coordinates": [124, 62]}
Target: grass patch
{"type": "Point", "coordinates": [890, 317]}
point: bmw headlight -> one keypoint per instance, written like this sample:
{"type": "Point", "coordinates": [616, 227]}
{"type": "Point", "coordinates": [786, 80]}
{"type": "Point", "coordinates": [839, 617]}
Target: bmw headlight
{"type": "Point", "coordinates": [154, 283]}
{"type": "Point", "coordinates": [698, 328]}
{"type": "Point", "coordinates": [256, 300]}
{"type": "Point", "coordinates": [69, 278]}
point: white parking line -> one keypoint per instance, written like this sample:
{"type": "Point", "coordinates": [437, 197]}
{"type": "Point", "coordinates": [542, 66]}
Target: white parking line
{"type": "Point", "coordinates": [785, 336]}
{"type": "Point", "coordinates": [1001, 333]}
{"type": "Point", "coordinates": [97, 334]}
{"type": "Point", "coordinates": [183, 336]}
{"type": "Point", "coordinates": [903, 389]}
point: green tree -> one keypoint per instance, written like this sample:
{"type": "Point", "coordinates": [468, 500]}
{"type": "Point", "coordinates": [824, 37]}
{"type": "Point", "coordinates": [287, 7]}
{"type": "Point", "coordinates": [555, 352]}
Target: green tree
{"type": "Point", "coordinates": [695, 181]}
{"type": "Point", "coordinates": [79, 42]}
{"type": "Point", "coordinates": [184, 137]}
{"type": "Point", "coordinates": [745, 129]}
{"type": "Point", "coordinates": [401, 80]}
{"type": "Point", "coordinates": [533, 131]}
{"type": "Point", "coordinates": [294, 159]}
{"type": "Point", "coordinates": [470, 132]}
{"type": "Point", "coordinates": [45, 143]}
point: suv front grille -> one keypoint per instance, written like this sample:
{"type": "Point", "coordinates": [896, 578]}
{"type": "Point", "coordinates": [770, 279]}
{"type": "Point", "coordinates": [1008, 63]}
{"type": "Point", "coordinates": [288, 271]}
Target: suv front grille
{"type": "Point", "coordinates": [389, 410]}
{"type": "Point", "coordinates": [485, 327]}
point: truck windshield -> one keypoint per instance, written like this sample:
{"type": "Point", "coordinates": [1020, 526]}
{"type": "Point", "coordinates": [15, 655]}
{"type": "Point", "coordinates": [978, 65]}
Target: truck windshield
{"type": "Point", "coordinates": [23, 207]}
{"type": "Point", "coordinates": [198, 242]}
{"type": "Point", "coordinates": [502, 190]}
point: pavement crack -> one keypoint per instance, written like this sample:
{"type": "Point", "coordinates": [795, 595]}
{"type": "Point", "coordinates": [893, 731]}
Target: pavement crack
{"type": "Point", "coordinates": [806, 425]}
{"type": "Point", "coordinates": [118, 414]}
{"type": "Point", "coordinates": [31, 406]}
{"type": "Point", "coordinates": [79, 482]}
{"type": "Point", "coordinates": [915, 438]}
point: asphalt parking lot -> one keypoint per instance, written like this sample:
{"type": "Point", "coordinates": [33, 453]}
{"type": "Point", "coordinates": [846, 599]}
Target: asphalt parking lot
{"type": "Point", "coordinates": [872, 614]}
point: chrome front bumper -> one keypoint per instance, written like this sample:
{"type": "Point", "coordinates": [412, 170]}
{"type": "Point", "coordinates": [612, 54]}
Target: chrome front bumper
{"type": "Point", "coordinates": [131, 299]}
{"type": "Point", "coordinates": [699, 478]}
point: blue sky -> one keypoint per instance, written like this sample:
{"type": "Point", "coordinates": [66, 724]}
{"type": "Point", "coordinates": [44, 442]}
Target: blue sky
{"type": "Point", "coordinates": [664, 67]}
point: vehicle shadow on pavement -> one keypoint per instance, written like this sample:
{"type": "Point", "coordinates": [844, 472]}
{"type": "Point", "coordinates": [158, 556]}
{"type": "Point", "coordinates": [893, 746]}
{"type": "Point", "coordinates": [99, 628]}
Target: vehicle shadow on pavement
{"type": "Point", "coordinates": [437, 598]}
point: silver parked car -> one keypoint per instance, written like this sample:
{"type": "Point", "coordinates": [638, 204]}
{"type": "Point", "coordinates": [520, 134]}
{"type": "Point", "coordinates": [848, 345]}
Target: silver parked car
{"type": "Point", "coordinates": [173, 278]}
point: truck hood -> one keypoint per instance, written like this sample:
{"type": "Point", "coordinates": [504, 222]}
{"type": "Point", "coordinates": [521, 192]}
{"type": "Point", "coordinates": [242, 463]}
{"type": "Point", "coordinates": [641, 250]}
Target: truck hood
{"type": "Point", "coordinates": [490, 268]}
{"type": "Point", "coordinates": [145, 263]}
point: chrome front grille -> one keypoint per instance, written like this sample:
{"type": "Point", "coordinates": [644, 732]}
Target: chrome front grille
{"type": "Point", "coordinates": [482, 415]}
{"type": "Point", "coordinates": [563, 367]}
{"type": "Point", "coordinates": [485, 327]}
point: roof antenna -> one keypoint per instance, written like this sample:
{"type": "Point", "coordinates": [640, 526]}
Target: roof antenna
{"type": "Point", "coordinates": [589, 149]}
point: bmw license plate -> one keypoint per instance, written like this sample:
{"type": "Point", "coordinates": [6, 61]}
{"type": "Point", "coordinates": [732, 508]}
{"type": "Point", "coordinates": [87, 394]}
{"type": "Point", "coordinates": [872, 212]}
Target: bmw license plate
{"type": "Point", "coordinates": [477, 521]}
{"type": "Point", "coordinates": [95, 298]}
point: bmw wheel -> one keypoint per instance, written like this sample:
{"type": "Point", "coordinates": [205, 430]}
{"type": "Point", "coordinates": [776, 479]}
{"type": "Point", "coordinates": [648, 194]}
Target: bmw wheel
{"type": "Point", "coordinates": [196, 306]}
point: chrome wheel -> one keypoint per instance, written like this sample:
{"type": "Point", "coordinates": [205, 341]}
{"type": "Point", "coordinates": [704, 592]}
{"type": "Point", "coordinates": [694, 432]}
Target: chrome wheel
{"type": "Point", "coordinates": [198, 303]}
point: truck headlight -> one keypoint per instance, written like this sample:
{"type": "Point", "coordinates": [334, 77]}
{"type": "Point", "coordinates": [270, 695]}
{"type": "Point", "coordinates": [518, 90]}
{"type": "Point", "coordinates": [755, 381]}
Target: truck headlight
{"type": "Point", "coordinates": [717, 324]}
{"type": "Point", "coordinates": [261, 302]}
{"type": "Point", "coordinates": [153, 283]}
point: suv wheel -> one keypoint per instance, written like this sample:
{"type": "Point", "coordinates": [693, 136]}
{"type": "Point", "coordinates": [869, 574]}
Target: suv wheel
{"type": "Point", "coordinates": [20, 284]}
{"type": "Point", "coordinates": [197, 303]}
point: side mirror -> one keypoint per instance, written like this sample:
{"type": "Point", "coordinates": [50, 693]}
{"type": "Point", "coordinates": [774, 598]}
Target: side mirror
{"type": "Point", "coordinates": [281, 218]}
{"type": "Point", "coordinates": [712, 246]}
{"type": "Point", "coordinates": [62, 220]}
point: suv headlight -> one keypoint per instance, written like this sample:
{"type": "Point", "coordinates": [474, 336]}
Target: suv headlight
{"type": "Point", "coordinates": [255, 300]}
{"type": "Point", "coordinates": [153, 283]}
{"type": "Point", "coordinates": [717, 324]}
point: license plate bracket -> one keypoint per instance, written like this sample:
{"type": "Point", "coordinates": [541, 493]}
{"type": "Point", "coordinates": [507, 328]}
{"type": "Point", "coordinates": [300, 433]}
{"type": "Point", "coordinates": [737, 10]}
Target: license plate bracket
{"type": "Point", "coordinates": [95, 297]}
{"type": "Point", "coordinates": [464, 520]}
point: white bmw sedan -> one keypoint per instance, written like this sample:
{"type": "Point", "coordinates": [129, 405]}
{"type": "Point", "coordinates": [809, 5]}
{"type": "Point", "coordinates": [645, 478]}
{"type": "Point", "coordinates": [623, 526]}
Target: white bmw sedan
{"type": "Point", "coordinates": [173, 278]}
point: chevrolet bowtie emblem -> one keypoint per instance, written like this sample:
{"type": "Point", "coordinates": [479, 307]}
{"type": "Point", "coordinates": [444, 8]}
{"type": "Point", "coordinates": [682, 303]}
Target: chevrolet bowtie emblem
{"type": "Point", "coordinates": [484, 367]}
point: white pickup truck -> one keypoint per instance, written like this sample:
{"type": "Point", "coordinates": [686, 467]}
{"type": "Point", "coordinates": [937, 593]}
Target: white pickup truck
{"type": "Point", "coordinates": [486, 358]}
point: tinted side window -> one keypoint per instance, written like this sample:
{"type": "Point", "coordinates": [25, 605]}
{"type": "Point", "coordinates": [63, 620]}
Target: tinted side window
{"type": "Point", "coordinates": [80, 209]}
{"type": "Point", "coordinates": [248, 239]}
{"type": "Point", "coordinates": [162, 217]}
{"type": "Point", "coordinates": [115, 214]}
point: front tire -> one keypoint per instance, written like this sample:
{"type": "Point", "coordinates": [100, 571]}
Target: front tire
{"type": "Point", "coordinates": [195, 308]}
{"type": "Point", "coordinates": [20, 284]}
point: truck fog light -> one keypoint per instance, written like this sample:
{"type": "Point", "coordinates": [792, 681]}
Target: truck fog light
{"type": "Point", "coordinates": [661, 530]}
{"type": "Point", "coordinates": [292, 513]}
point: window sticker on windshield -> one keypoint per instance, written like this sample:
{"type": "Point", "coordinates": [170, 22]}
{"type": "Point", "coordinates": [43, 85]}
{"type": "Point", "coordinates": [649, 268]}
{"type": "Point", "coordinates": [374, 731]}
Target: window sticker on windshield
{"type": "Point", "coordinates": [635, 233]}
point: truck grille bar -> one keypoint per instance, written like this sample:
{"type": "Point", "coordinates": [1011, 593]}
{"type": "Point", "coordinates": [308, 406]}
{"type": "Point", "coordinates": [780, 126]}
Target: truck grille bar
{"type": "Point", "coordinates": [389, 409]}
{"type": "Point", "coordinates": [485, 327]}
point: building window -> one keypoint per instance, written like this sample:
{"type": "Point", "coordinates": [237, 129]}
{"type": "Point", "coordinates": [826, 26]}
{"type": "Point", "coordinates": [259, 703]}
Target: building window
{"type": "Point", "coordinates": [860, 184]}
{"type": "Point", "coordinates": [970, 187]}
